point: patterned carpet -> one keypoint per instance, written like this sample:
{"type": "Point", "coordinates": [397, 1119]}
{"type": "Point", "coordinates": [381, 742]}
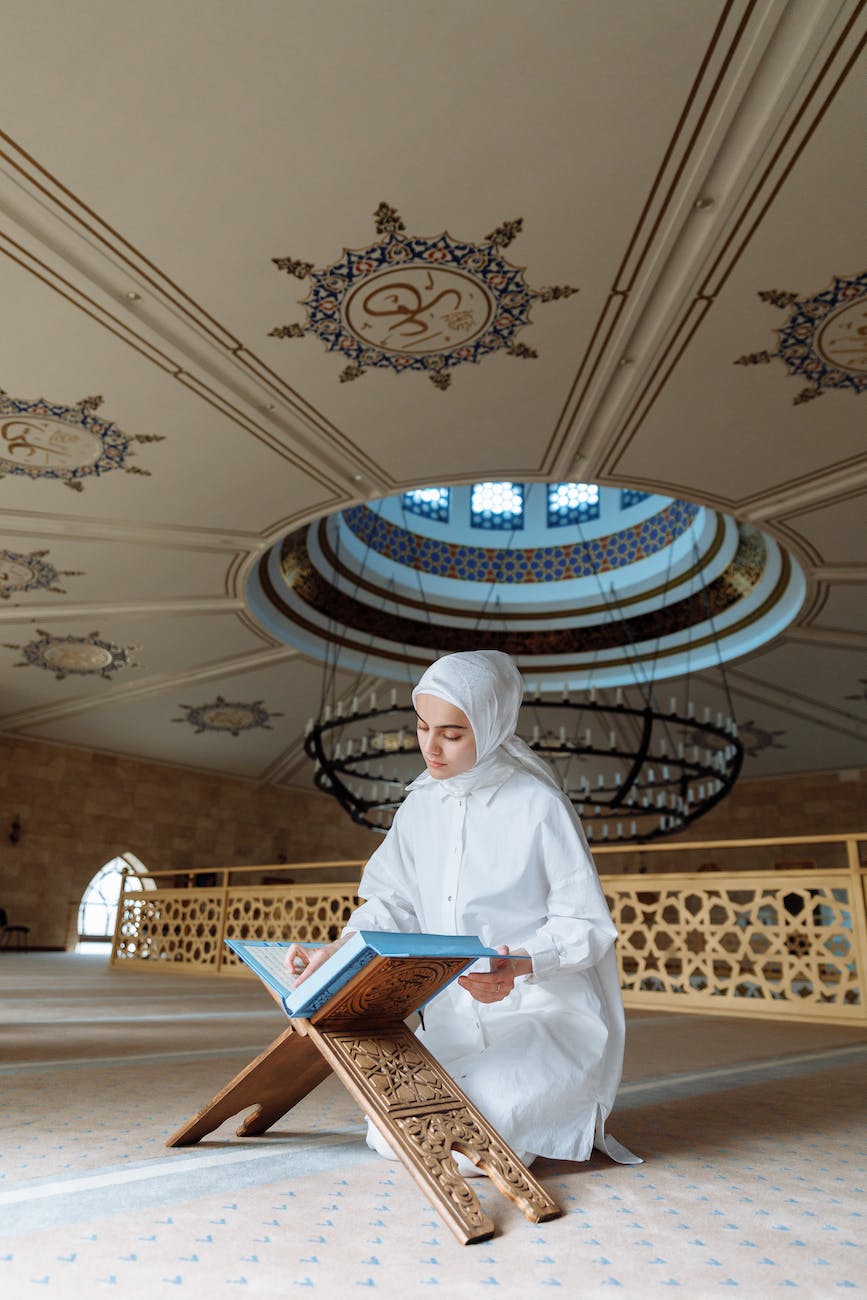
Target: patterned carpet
{"type": "Point", "coordinates": [753, 1136]}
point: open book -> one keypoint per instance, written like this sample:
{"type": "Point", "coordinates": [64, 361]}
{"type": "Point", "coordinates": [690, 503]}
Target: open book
{"type": "Point", "coordinates": [409, 970]}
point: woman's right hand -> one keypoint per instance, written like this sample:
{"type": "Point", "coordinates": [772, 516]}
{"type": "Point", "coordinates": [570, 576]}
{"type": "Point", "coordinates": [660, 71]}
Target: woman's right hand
{"type": "Point", "coordinates": [301, 961]}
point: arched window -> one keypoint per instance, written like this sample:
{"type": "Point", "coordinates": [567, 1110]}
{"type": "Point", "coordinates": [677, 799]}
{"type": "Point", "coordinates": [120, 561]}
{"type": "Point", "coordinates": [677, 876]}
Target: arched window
{"type": "Point", "coordinates": [97, 911]}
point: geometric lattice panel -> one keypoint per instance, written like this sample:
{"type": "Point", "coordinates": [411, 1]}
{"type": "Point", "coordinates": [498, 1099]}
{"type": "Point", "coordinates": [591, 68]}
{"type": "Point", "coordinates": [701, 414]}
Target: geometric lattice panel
{"type": "Point", "coordinates": [304, 914]}
{"type": "Point", "coordinates": [739, 939]}
{"type": "Point", "coordinates": [171, 926]}
{"type": "Point", "coordinates": [188, 925]}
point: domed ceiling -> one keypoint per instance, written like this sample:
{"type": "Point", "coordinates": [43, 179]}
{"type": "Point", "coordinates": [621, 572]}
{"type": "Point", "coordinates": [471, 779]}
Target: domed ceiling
{"type": "Point", "coordinates": [266, 268]}
{"type": "Point", "coordinates": [584, 585]}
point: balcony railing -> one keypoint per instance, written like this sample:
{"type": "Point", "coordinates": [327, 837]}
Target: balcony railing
{"type": "Point", "coordinates": [790, 941]}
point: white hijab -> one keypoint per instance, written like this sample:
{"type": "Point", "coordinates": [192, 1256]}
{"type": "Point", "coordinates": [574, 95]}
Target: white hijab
{"type": "Point", "coordinates": [487, 687]}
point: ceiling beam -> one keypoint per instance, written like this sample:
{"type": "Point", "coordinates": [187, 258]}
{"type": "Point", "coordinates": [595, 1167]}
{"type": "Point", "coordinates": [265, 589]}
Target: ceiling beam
{"type": "Point", "coordinates": [839, 637]}
{"type": "Point", "coordinates": [158, 684]}
{"type": "Point", "coordinates": [108, 608]}
{"type": "Point", "coordinates": [821, 488]}
{"type": "Point", "coordinates": [816, 712]}
{"type": "Point", "coordinates": [840, 572]}
{"type": "Point", "coordinates": [172, 537]}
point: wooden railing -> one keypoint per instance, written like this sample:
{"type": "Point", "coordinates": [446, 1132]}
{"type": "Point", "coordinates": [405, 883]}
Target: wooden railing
{"type": "Point", "coordinates": [789, 942]}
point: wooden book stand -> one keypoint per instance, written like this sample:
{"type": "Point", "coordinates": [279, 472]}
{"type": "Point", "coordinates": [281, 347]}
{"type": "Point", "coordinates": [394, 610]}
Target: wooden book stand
{"type": "Point", "coordinates": [360, 1034]}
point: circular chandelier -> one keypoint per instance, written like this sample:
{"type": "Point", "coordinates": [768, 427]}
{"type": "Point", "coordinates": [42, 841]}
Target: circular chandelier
{"type": "Point", "coordinates": [620, 607]}
{"type": "Point", "coordinates": [633, 771]}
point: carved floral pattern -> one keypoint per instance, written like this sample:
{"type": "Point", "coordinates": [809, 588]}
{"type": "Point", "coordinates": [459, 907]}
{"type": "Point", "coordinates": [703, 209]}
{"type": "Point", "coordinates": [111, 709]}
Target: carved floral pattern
{"type": "Point", "coordinates": [399, 1073]}
{"type": "Point", "coordinates": [398, 989]}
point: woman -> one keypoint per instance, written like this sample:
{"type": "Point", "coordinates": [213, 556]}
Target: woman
{"type": "Point", "coordinates": [487, 844]}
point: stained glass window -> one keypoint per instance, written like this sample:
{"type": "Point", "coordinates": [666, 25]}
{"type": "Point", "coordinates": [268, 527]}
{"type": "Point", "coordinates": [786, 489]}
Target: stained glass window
{"type": "Point", "coordinates": [572, 503]}
{"type": "Point", "coordinates": [631, 497]}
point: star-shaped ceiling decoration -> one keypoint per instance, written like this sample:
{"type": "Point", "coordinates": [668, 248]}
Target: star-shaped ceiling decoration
{"type": "Point", "coordinates": [227, 716]}
{"type": "Point", "coordinates": [418, 303]}
{"type": "Point", "coordinates": [49, 440]}
{"type": "Point", "coordinates": [825, 338]}
{"type": "Point", "coordinates": [80, 656]}
{"type": "Point", "coordinates": [19, 573]}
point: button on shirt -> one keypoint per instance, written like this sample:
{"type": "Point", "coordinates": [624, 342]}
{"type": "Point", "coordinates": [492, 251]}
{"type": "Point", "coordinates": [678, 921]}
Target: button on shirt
{"type": "Point", "coordinates": [508, 862]}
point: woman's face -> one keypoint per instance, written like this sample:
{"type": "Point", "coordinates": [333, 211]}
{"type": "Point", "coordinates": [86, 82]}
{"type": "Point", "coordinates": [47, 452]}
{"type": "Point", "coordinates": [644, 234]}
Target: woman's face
{"type": "Point", "coordinates": [445, 737]}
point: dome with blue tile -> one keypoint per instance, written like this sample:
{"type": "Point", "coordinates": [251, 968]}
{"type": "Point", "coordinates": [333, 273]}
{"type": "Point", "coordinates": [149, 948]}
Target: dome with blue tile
{"type": "Point", "coordinates": [578, 581]}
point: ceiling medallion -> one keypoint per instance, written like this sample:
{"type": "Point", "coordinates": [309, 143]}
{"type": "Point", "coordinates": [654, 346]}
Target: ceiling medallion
{"type": "Point", "coordinates": [82, 656]}
{"type": "Point", "coordinates": [418, 303]}
{"type": "Point", "coordinates": [226, 716]}
{"type": "Point", "coordinates": [30, 573]}
{"type": "Point", "coordinates": [70, 443]}
{"type": "Point", "coordinates": [825, 338]}
{"type": "Point", "coordinates": [756, 739]}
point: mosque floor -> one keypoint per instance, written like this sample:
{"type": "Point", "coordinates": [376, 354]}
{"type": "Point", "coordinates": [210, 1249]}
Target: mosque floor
{"type": "Point", "coordinates": [753, 1134]}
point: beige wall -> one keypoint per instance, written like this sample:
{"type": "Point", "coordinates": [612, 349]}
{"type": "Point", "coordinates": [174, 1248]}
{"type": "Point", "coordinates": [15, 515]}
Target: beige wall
{"type": "Point", "coordinates": [78, 809]}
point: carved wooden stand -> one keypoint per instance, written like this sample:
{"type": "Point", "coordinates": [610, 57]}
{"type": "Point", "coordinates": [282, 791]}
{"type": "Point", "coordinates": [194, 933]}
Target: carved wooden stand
{"type": "Point", "coordinates": [414, 1103]}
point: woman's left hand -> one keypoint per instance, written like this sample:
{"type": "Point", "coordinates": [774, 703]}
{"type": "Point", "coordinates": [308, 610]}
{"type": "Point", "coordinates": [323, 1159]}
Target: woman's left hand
{"type": "Point", "coordinates": [498, 984]}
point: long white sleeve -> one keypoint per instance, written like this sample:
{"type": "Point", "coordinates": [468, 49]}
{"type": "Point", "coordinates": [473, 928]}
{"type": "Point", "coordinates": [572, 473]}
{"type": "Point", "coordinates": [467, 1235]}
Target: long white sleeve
{"type": "Point", "coordinates": [578, 931]}
{"type": "Point", "coordinates": [387, 888]}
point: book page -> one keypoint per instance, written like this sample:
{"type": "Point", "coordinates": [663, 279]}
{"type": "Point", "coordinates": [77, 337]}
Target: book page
{"type": "Point", "coordinates": [268, 960]}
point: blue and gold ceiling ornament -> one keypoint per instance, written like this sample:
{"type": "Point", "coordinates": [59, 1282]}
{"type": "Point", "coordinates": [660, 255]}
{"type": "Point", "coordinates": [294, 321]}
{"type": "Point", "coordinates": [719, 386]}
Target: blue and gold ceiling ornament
{"type": "Point", "coordinates": [756, 739]}
{"type": "Point", "coordinates": [80, 656]}
{"type": "Point", "coordinates": [825, 338]}
{"type": "Point", "coordinates": [418, 303]}
{"type": "Point", "coordinates": [48, 440]}
{"type": "Point", "coordinates": [227, 716]}
{"type": "Point", "coordinates": [19, 573]}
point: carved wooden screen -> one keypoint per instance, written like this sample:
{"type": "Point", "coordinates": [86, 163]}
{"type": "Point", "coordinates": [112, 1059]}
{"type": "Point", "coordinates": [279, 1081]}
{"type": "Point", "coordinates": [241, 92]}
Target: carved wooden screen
{"type": "Point", "coordinates": [186, 927]}
{"type": "Point", "coordinates": [764, 944]}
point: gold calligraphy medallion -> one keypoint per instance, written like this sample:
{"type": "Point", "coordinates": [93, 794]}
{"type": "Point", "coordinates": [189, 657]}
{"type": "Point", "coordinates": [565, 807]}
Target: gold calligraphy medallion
{"type": "Point", "coordinates": [227, 716]}
{"type": "Point", "coordinates": [19, 573]}
{"type": "Point", "coordinates": [84, 656]}
{"type": "Point", "coordinates": [842, 340]}
{"type": "Point", "coordinates": [48, 440]}
{"type": "Point", "coordinates": [825, 338]}
{"type": "Point", "coordinates": [418, 303]}
{"type": "Point", "coordinates": [418, 309]}
{"type": "Point", "coordinates": [46, 444]}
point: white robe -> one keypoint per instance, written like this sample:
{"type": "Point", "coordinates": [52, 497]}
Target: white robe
{"type": "Point", "coordinates": [508, 861]}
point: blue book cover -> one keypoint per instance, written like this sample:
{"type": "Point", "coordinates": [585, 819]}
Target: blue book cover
{"type": "Point", "coordinates": [268, 960]}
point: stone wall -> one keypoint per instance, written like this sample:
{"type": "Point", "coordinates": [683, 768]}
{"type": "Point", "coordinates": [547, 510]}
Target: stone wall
{"type": "Point", "coordinates": [78, 809]}
{"type": "Point", "coordinates": [819, 803]}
